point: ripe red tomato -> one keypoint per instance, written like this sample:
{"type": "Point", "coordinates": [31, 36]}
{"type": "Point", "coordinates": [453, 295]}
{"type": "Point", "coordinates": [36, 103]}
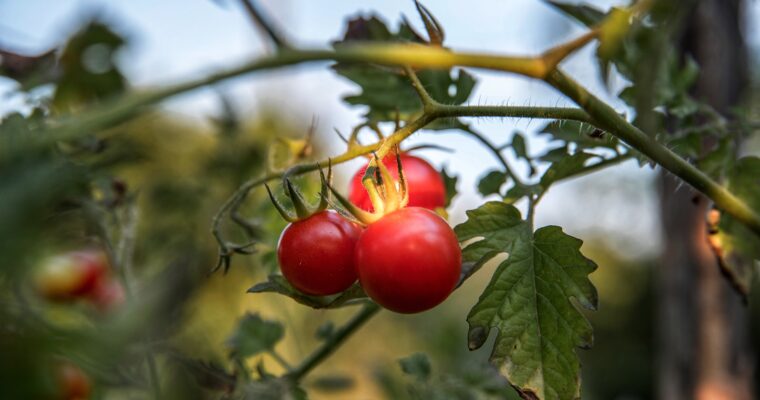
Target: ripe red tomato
{"type": "Point", "coordinates": [316, 254]}
{"type": "Point", "coordinates": [409, 260]}
{"type": "Point", "coordinates": [71, 275]}
{"type": "Point", "coordinates": [73, 383]}
{"type": "Point", "coordinates": [425, 184]}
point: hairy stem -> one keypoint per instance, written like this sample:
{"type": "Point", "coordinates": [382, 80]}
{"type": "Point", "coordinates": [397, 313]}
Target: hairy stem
{"type": "Point", "coordinates": [608, 119]}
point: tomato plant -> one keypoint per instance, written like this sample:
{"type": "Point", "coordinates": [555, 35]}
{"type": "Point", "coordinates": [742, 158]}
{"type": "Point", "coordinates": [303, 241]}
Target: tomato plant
{"type": "Point", "coordinates": [426, 187]}
{"type": "Point", "coordinates": [316, 254]}
{"type": "Point", "coordinates": [409, 260]}
{"type": "Point", "coordinates": [83, 162]}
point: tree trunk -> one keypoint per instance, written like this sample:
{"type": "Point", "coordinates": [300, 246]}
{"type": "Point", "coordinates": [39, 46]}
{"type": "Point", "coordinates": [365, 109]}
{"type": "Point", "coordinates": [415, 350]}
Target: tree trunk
{"type": "Point", "coordinates": [705, 350]}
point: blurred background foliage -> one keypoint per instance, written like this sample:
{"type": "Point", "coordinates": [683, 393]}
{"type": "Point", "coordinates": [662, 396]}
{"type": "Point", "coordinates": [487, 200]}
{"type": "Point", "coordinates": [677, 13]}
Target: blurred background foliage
{"type": "Point", "coordinates": [146, 191]}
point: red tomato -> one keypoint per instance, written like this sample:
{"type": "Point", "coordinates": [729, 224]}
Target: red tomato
{"type": "Point", "coordinates": [73, 383]}
{"type": "Point", "coordinates": [107, 295]}
{"type": "Point", "coordinates": [71, 275]}
{"type": "Point", "coordinates": [409, 260]}
{"type": "Point", "coordinates": [316, 254]}
{"type": "Point", "coordinates": [425, 184]}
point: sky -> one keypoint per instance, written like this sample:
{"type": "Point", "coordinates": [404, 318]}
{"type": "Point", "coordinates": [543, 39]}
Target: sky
{"type": "Point", "coordinates": [175, 40]}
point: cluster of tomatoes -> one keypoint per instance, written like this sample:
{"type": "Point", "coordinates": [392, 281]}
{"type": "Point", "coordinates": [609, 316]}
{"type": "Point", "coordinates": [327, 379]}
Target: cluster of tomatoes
{"type": "Point", "coordinates": [407, 259]}
{"type": "Point", "coordinates": [80, 275]}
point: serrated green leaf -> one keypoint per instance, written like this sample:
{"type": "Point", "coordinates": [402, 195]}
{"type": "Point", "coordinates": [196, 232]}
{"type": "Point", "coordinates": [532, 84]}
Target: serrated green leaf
{"type": "Point", "coordinates": [528, 300]}
{"type": "Point", "coordinates": [254, 335]}
{"type": "Point", "coordinates": [735, 245]}
{"type": "Point", "coordinates": [450, 183]}
{"type": "Point", "coordinates": [583, 13]}
{"type": "Point", "coordinates": [564, 168]}
{"type": "Point", "coordinates": [491, 182]}
{"type": "Point", "coordinates": [519, 146]}
{"type": "Point", "coordinates": [416, 365]}
{"type": "Point", "coordinates": [278, 284]}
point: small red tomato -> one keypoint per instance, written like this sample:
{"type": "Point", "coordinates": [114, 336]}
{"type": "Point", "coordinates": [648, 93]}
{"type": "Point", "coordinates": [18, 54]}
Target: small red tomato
{"type": "Point", "coordinates": [107, 295]}
{"type": "Point", "coordinates": [409, 260]}
{"type": "Point", "coordinates": [73, 383]}
{"type": "Point", "coordinates": [71, 275]}
{"type": "Point", "coordinates": [425, 184]}
{"type": "Point", "coordinates": [316, 254]}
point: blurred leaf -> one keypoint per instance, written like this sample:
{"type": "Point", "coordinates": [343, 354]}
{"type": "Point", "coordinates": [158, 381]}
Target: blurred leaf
{"type": "Point", "coordinates": [387, 91]}
{"type": "Point", "coordinates": [579, 133]}
{"type": "Point", "coordinates": [519, 146]}
{"type": "Point", "coordinates": [612, 32]}
{"type": "Point", "coordinates": [583, 13]}
{"type": "Point", "coordinates": [720, 159]}
{"type": "Point", "coordinates": [529, 300]}
{"type": "Point", "coordinates": [517, 192]}
{"type": "Point", "coordinates": [88, 67]}
{"type": "Point", "coordinates": [278, 284]}
{"type": "Point", "coordinates": [254, 335]}
{"type": "Point", "coordinates": [735, 245]}
{"type": "Point", "coordinates": [555, 154]}
{"type": "Point", "coordinates": [325, 330]}
{"type": "Point", "coordinates": [416, 365]}
{"type": "Point", "coordinates": [491, 182]}
{"type": "Point", "coordinates": [29, 71]}
{"type": "Point", "coordinates": [564, 168]}
{"type": "Point", "coordinates": [450, 183]}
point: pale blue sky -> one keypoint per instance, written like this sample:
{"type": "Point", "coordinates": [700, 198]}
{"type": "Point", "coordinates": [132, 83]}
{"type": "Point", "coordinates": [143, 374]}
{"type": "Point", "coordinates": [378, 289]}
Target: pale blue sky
{"type": "Point", "coordinates": [173, 40]}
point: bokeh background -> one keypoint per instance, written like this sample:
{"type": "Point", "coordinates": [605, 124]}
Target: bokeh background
{"type": "Point", "coordinates": [184, 163]}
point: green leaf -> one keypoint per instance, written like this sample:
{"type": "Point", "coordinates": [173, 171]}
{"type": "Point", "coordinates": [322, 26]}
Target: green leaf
{"type": "Point", "coordinates": [254, 335]}
{"type": "Point", "coordinates": [387, 91]}
{"type": "Point", "coordinates": [583, 13]}
{"type": "Point", "coordinates": [582, 134]}
{"type": "Point", "coordinates": [519, 146]}
{"type": "Point", "coordinates": [416, 365]}
{"type": "Point", "coordinates": [89, 71]}
{"type": "Point", "coordinates": [564, 168]}
{"type": "Point", "coordinates": [278, 284]}
{"type": "Point", "coordinates": [528, 300]}
{"type": "Point", "coordinates": [736, 246]}
{"type": "Point", "coordinates": [450, 183]}
{"type": "Point", "coordinates": [491, 182]}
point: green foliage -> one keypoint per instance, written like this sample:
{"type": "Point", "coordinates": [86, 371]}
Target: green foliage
{"type": "Point", "coordinates": [529, 302]}
{"type": "Point", "coordinates": [88, 68]}
{"type": "Point", "coordinates": [738, 248]}
{"type": "Point", "coordinates": [491, 182]}
{"type": "Point", "coordinates": [386, 91]}
{"type": "Point", "coordinates": [416, 365]}
{"type": "Point", "coordinates": [450, 183]}
{"type": "Point", "coordinates": [254, 335]}
{"type": "Point", "coordinates": [563, 168]}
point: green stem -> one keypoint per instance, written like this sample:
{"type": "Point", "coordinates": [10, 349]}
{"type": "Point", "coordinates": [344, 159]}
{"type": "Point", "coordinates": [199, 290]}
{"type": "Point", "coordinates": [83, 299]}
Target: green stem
{"type": "Point", "coordinates": [576, 114]}
{"type": "Point", "coordinates": [337, 338]}
{"type": "Point", "coordinates": [608, 119]}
